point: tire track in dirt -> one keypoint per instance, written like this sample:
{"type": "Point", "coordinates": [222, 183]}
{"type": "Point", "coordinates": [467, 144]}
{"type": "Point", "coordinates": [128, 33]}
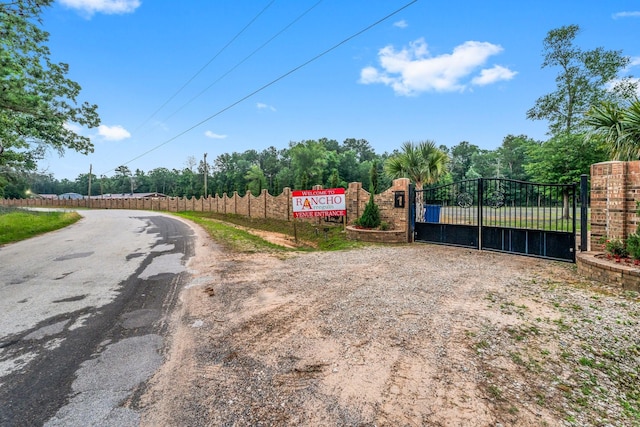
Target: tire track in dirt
{"type": "Point", "coordinates": [429, 373]}
{"type": "Point", "coordinates": [344, 338]}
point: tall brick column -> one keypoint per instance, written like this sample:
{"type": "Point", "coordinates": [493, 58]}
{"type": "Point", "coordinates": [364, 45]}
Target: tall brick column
{"type": "Point", "coordinates": [615, 189]}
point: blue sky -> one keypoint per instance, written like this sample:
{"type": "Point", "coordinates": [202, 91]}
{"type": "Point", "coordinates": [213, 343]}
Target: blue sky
{"type": "Point", "coordinates": [179, 79]}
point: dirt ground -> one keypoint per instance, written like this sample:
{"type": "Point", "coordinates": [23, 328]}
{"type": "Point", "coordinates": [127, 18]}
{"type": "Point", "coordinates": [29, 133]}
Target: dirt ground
{"type": "Point", "coordinates": [409, 335]}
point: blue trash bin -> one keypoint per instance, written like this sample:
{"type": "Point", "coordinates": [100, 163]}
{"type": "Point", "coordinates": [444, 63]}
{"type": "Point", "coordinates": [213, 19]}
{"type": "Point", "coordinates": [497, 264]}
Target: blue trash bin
{"type": "Point", "coordinates": [432, 213]}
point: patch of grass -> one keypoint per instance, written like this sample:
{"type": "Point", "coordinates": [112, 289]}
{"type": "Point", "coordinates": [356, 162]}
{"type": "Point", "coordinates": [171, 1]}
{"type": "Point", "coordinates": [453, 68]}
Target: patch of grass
{"type": "Point", "coordinates": [631, 409]}
{"type": "Point", "coordinates": [516, 358]}
{"type": "Point", "coordinates": [495, 392]}
{"type": "Point", "coordinates": [585, 361]}
{"type": "Point", "coordinates": [576, 307]}
{"type": "Point", "coordinates": [562, 326]}
{"type": "Point", "coordinates": [491, 297]}
{"type": "Point", "coordinates": [324, 236]}
{"type": "Point", "coordinates": [516, 334]}
{"type": "Point", "coordinates": [20, 224]}
{"type": "Point", "coordinates": [481, 345]}
{"type": "Point", "coordinates": [586, 389]}
{"type": "Point", "coordinates": [232, 237]}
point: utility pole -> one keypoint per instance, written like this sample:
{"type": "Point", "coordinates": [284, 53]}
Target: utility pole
{"type": "Point", "coordinates": [205, 176]}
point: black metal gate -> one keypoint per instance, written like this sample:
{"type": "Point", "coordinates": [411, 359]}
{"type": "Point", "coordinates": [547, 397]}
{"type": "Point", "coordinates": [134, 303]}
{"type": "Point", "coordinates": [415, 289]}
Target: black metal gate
{"type": "Point", "coordinates": [501, 215]}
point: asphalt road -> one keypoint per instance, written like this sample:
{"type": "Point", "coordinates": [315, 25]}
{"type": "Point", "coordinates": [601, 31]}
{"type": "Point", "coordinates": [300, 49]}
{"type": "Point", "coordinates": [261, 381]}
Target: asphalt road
{"type": "Point", "coordinates": [83, 314]}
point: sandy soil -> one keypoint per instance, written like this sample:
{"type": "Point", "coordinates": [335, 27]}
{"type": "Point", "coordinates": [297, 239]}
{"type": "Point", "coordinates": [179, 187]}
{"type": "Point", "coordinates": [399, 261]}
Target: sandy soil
{"type": "Point", "coordinates": [410, 335]}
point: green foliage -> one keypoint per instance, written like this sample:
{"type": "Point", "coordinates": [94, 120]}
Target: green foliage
{"type": "Point", "coordinates": [374, 179]}
{"type": "Point", "coordinates": [619, 127]}
{"type": "Point", "coordinates": [334, 181]}
{"type": "Point", "coordinates": [633, 240]}
{"type": "Point", "coordinates": [232, 237]}
{"type": "Point", "coordinates": [633, 245]}
{"type": "Point", "coordinates": [423, 163]}
{"type": "Point", "coordinates": [371, 216]}
{"type": "Point", "coordinates": [18, 225]}
{"type": "Point", "coordinates": [563, 158]}
{"type": "Point", "coordinates": [361, 148]}
{"type": "Point", "coordinates": [223, 228]}
{"type": "Point", "coordinates": [585, 79]}
{"type": "Point", "coordinates": [256, 180]}
{"type": "Point", "coordinates": [513, 155]}
{"type": "Point", "coordinates": [37, 101]}
{"type": "Point", "coordinates": [308, 161]}
{"type": "Point", "coordinates": [615, 247]}
{"type": "Point", "coordinates": [519, 157]}
{"type": "Point", "coordinates": [461, 160]}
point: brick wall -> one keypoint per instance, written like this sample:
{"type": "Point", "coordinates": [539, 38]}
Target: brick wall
{"type": "Point", "coordinates": [615, 188]}
{"type": "Point", "coordinates": [262, 206]}
{"type": "Point", "coordinates": [626, 277]}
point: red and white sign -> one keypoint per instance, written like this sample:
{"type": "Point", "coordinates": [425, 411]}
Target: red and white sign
{"type": "Point", "coordinates": [317, 203]}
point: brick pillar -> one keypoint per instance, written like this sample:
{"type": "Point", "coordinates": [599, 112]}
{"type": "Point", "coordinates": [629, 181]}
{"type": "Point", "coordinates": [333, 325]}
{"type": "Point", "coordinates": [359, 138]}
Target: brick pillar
{"type": "Point", "coordinates": [615, 189]}
{"type": "Point", "coordinates": [401, 215]}
{"type": "Point", "coordinates": [353, 201]}
{"type": "Point", "coordinates": [265, 193]}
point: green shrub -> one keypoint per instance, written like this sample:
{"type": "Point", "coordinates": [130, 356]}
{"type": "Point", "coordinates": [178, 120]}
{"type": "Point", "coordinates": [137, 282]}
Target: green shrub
{"type": "Point", "coordinates": [371, 216]}
{"type": "Point", "coordinates": [615, 247]}
{"type": "Point", "coordinates": [633, 245]}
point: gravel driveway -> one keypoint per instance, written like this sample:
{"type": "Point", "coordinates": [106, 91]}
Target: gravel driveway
{"type": "Point", "coordinates": [410, 335]}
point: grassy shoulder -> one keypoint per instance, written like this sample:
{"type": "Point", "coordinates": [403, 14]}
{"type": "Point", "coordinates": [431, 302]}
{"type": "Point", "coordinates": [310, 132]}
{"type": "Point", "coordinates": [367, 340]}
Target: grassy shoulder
{"type": "Point", "coordinates": [19, 224]}
{"type": "Point", "coordinates": [243, 234]}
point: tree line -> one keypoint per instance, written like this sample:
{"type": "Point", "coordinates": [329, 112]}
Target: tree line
{"type": "Point", "coordinates": [328, 163]}
{"type": "Point", "coordinates": [593, 115]}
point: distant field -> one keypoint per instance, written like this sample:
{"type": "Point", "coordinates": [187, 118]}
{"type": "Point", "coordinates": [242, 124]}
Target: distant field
{"type": "Point", "coordinates": [543, 218]}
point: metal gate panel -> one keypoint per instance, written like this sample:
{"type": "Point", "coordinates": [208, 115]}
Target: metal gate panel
{"type": "Point", "coordinates": [538, 243]}
{"type": "Point", "coordinates": [500, 215]}
{"type": "Point", "coordinates": [456, 235]}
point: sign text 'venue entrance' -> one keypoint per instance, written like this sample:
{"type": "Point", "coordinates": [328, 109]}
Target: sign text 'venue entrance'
{"type": "Point", "coordinates": [318, 203]}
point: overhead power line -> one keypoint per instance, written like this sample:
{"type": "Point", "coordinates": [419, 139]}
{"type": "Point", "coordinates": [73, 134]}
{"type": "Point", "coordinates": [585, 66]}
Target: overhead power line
{"type": "Point", "coordinates": [272, 82]}
{"type": "Point", "coordinates": [205, 65]}
{"type": "Point", "coordinates": [245, 59]}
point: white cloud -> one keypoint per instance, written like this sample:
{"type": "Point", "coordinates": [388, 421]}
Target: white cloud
{"type": "Point", "coordinates": [413, 70]}
{"type": "Point", "coordinates": [492, 75]}
{"type": "Point", "coordinates": [212, 135]}
{"type": "Point", "coordinates": [621, 84]}
{"type": "Point", "coordinates": [103, 6]}
{"type": "Point", "coordinates": [635, 61]}
{"type": "Point", "coordinates": [262, 106]}
{"type": "Point", "coordinates": [635, 14]}
{"type": "Point", "coordinates": [113, 133]}
{"type": "Point", "coordinates": [401, 24]}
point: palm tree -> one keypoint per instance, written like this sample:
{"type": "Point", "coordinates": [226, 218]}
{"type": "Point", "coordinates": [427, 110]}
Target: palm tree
{"type": "Point", "coordinates": [423, 163]}
{"type": "Point", "coordinates": [619, 127]}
